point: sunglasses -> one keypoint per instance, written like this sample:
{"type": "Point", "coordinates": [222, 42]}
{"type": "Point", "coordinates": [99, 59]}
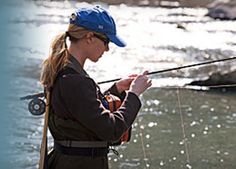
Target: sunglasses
{"type": "Point", "coordinates": [102, 38]}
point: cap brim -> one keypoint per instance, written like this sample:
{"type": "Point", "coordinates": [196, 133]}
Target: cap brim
{"type": "Point", "coordinates": [116, 40]}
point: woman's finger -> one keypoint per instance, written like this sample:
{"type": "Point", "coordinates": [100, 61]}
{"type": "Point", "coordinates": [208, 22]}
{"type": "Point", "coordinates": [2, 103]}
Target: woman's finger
{"type": "Point", "coordinates": [133, 75]}
{"type": "Point", "coordinates": [145, 72]}
{"type": "Point", "coordinates": [149, 82]}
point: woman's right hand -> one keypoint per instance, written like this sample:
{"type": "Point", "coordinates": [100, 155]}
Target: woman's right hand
{"type": "Point", "coordinates": [140, 83]}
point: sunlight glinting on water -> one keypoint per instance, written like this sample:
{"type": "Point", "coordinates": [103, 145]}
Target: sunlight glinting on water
{"type": "Point", "coordinates": [145, 46]}
{"type": "Point", "coordinates": [153, 43]}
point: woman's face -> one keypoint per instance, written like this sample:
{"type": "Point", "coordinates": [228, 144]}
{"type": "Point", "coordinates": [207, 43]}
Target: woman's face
{"type": "Point", "coordinates": [98, 46]}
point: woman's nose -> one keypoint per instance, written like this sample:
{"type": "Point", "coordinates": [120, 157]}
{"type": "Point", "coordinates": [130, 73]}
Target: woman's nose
{"type": "Point", "coordinates": [107, 48]}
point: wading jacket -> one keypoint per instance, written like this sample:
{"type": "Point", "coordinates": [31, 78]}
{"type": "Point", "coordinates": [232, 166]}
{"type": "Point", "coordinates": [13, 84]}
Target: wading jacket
{"type": "Point", "coordinates": [77, 114]}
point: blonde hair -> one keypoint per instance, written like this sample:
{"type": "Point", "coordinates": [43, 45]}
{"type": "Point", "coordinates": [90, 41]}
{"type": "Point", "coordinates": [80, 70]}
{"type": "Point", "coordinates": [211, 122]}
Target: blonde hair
{"type": "Point", "coordinates": [58, 57]}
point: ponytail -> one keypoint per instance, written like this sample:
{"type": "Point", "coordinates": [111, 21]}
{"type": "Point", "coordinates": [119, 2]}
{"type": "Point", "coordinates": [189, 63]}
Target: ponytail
{"type": "Point", "coordinates": [57, 59]}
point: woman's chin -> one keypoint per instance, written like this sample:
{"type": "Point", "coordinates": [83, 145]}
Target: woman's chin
{"type": "Point", "coordinates": [94, 60]}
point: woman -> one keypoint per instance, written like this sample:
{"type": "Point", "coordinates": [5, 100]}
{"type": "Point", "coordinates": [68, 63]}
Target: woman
{"type": "Point", "coordinates": [81, 126]}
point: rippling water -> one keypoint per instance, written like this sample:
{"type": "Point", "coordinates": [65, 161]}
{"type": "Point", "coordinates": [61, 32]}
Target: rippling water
{"type": "Point", "coordinates": [154, 42]}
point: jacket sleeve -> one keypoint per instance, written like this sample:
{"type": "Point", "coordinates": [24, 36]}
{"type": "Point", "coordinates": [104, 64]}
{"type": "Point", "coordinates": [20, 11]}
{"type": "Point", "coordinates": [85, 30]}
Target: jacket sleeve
{"type": "Point", "coordinates": [113, 90]}
{"type": "Point", "coordinates": [80, 96]}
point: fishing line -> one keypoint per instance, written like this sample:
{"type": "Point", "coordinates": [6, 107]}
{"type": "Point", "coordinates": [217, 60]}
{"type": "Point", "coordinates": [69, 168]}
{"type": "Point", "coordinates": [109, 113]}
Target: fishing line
{"type": "Point", "coordinates": [183, 128]}
{"type": "Point", "coordinates": [142, 145]}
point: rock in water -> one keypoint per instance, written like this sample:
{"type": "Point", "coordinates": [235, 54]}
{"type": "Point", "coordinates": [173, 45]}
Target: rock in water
{"type": "Point", "coordinates": [222, 9]}
{"type": "Point", "coordinates": [217, 79]}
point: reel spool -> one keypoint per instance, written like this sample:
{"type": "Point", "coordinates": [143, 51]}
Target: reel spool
{"type": "Point", "coordinates": [37, 106]}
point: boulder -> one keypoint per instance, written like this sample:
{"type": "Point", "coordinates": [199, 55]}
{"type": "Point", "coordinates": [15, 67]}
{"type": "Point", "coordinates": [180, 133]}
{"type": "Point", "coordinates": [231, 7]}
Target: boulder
{"type": "Point", "coordinates": [216, 79]}
{"type": "Point", "coordinates": [222, 9]}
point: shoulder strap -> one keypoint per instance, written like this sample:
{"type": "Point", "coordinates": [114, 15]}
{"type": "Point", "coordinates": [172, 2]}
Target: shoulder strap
{"type": "Point", "coordinates": [69, 69]}
{"type": "Point", "coordinates": [44, 148]}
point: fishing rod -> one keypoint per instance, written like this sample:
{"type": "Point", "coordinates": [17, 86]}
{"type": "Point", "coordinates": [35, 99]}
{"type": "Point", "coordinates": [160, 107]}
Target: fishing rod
{"type": "Point", "coordinates": [37, 106]}
{"type": "Point", "coordinates": [150, 73]}
{"type": "Point", "coordinates": [175, 68]}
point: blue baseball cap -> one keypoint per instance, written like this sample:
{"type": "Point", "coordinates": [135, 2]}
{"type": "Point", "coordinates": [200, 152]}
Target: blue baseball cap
{"type": "Point", "coordinates": [98, 20]}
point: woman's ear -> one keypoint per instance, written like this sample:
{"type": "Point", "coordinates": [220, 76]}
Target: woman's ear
{"type": "Point", "coordinates": [89, 37]}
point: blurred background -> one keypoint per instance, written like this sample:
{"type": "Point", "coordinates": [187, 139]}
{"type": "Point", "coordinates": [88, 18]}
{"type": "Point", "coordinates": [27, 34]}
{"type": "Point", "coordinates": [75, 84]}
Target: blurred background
{"type": "Point", "coordinates": [182, 124]}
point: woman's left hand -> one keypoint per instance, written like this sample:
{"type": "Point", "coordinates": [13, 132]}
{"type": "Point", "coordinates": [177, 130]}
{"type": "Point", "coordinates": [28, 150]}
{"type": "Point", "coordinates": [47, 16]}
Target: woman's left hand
{"type": "Point", "coordinates": [124, 83]}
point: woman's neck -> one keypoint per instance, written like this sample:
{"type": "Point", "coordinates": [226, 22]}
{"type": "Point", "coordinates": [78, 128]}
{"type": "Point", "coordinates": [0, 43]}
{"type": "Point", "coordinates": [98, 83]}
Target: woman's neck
{"type": "Point", "coordinates": [78, 55]}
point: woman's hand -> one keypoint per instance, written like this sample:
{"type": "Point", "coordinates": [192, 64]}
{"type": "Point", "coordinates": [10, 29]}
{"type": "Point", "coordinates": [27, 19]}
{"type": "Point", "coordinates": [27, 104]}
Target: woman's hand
{"type": "Point", "coordinates": [124, 83]}
{"type": "Point", "coordinates": [140, 83]}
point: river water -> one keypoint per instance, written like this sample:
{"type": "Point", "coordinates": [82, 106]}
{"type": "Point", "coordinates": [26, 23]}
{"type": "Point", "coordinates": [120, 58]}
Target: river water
{"type": "Point", "coordinates": [176, 127]}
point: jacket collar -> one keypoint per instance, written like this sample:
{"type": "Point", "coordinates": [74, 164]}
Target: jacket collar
{"type": "Point", "coordinates": [74, 64]}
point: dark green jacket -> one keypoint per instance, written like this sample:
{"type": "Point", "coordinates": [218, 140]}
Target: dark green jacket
{"type": "Point", "coordinates": [77, 114]}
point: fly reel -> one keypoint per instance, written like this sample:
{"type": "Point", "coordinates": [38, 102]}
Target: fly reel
{"type": "Point", "coordinates": [36, 106]}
